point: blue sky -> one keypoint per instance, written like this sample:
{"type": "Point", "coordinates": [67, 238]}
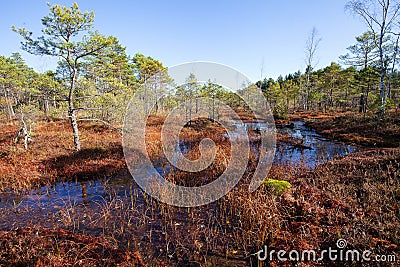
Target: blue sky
{"type": "Point", "coordinates": [242, 34]}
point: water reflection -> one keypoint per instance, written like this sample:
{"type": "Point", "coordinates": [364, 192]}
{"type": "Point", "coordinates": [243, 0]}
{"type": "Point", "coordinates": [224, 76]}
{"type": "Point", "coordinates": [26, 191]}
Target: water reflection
{"type": "Point", "coordinates": [52, 198]}
{"type": "Point", "coordinates": [48, 197]}
{"type": "Point", "coordinates": [315, 149]}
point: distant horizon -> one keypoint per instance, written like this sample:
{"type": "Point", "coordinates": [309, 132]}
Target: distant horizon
{"type": "Point", "coordinates": [261, 40]}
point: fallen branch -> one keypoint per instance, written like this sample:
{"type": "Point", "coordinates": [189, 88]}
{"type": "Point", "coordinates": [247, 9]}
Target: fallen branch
{"type": "Point", "coordinates": [23, 133]}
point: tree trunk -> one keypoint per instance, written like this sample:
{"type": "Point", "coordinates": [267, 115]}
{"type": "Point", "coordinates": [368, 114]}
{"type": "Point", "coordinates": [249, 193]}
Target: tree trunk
{"type": "Point", "coordinates": [387, 92]}
{"type": "Point", "coordinates": [23, 133]}
{"type": "Point", "coordinates": [382, 91]}
{"type": "Point", "coordinates": [54, 101]}
{"type": "Point", "coordinates": [72, 112]}
{"type": "Point", "coordinates": [46, 107]}
{"type": "Point", "coordinates": [75, 130]}
{"type": "Point", "coordinates": [10, 113]}
{"type": "Point", "coordinates": [306, 104]}
{"type": "Point", "coordinates": [287, 99]}
{"type": "Point", "coordinates": [383, 71]}
{"type": "Point", "coordinates": [294, 104]}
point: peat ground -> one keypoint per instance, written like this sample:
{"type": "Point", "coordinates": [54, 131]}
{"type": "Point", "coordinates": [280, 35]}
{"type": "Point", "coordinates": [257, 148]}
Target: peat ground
{"type": "Point", "coordinates": [353, 197]}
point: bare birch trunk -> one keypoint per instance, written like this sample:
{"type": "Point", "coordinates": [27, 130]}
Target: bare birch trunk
{"type": "Point", "coordinates": [72, 113]}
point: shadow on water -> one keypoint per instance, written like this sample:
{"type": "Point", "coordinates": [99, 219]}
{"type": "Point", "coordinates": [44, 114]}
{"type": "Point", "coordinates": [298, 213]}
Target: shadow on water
{"type": "Point", "coordinates": [85, 205]}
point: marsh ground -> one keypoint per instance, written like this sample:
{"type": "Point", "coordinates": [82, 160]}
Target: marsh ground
{"type": "Point", "coordinates": [354, 197]}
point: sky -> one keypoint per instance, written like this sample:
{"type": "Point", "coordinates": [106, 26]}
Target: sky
{"type": "Point", "coordinates": [262, 38]}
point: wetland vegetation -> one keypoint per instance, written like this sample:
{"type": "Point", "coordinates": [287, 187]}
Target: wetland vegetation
{"type": "Point", "coordinates": [67, 197]}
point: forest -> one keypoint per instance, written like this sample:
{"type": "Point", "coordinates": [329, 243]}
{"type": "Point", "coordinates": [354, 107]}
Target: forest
{"type": "Point", "coordinates": [67, 197]}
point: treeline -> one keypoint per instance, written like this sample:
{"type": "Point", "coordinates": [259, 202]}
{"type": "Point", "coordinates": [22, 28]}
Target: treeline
{"type": "Point", "coordinates": [95, 78]}
{"type": "Point", "coordinates": [372, 78]}
{"type": "Point", "coordinates": [352, 84]}
{"type": "Point", "coordinates": [102, 90]}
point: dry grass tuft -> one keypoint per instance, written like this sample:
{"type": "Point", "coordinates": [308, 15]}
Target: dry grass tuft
{"type": "Point", "coordinates": [43, 247]}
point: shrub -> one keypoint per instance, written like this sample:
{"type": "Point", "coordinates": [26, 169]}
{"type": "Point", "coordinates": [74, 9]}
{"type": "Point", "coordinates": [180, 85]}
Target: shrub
{"type": "Point", "coordinates": [279, 186]}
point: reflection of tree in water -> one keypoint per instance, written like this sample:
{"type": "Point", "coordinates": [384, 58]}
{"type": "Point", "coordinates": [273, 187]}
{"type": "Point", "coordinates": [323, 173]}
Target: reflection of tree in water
{"type": "Point", "coordinates": [312, 150]}
{"type": "Point", "coordinates": [84, 193]}
{"type": "Point", "coordinates": [12, 199]}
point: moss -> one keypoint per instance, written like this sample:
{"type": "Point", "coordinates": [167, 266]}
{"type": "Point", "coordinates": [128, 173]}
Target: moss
{"type": "Point", "coordinates": [279, 186]}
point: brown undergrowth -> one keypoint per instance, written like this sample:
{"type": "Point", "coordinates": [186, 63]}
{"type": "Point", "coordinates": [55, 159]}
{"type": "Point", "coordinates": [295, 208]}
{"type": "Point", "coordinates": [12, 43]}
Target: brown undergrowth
{"type": "Point", "coordinates": [51, 157]}
{"type": "Point", "coordinates": [43, 247]}
{"type": "Point", "coordinates": [368, 131]}
{"type": "Point", "coordinates": [354, 197]}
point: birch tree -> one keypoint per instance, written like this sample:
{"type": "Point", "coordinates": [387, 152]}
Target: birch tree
{"type": "Point", "coordinates": [380, 16]}
{"type": "Point", "coordinates": [311, 47]}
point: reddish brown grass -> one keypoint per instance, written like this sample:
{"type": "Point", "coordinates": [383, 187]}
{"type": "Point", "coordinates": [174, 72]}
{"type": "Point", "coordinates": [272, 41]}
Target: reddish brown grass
{"type": "Point", "coordinates": [43, 247]}
{"type": "Point", "coordinates": [354, 128]}
{"type": "Point", "coordinates": [51, 157]}
{"type": "Point", "coordinates": [354, 197]}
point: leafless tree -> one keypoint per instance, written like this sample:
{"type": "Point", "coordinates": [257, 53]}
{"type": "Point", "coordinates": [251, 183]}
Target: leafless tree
{"type": "Point", "coordinates": [381, 18]}
{"type": "Point", "coordinates": [311, 47]}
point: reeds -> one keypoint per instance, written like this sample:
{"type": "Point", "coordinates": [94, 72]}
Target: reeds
{"type": "Point", "coordinates": [355, 197]}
